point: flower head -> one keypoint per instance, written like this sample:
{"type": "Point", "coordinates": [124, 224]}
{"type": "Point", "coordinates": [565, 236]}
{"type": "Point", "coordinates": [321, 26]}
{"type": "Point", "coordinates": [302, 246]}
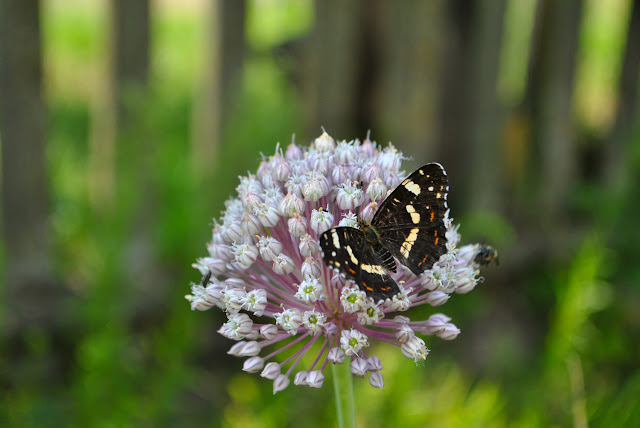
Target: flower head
{"type": "Point", "coordinates": [264, 261]}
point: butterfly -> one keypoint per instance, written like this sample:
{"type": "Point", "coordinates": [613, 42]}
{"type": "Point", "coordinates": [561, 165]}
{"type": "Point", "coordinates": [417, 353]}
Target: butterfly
{"type": "Point", "coordinates": [409, 225]}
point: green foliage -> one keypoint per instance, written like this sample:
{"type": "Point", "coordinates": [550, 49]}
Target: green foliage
{"type": "Point", "coordinates": [273, 22]}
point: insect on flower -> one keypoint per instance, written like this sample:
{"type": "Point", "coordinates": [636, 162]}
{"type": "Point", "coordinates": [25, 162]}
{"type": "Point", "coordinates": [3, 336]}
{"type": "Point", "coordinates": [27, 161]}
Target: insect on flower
{"type": "Point", "coordinates": [409, 225]}
{"type": "Point", "coordinates": [486, 254]}
{"type": "Point", "coordinates": [265, 260]}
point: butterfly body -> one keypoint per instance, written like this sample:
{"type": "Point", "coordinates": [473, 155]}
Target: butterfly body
{"type": "Point", "coordinates": [409, 226]}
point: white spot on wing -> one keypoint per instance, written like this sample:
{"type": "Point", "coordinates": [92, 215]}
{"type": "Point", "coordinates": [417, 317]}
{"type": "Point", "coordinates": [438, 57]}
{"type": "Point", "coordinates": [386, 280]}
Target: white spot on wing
{"type": "Point", "coordinates": [411, 186]}
{"type": "Point", "coordinates": [336, 239]}
{"type": "Point", "coordinates": [415, 217]}
{"type": "Point", "coordinates": [354, 260]}
{"type": "Point", "coordinates": [377, 269]}
{"type": "Point", "coordinates": [408, 243]}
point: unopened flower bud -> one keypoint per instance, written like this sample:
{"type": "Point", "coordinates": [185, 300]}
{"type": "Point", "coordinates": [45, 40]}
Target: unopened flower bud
{"type": "Point", "coordinates": [268, 331]}
{"type": "Point", "coordinates": [250, 224]}
{"type": "Point", "coordinates": [437, 298]}
{"type": "Point", "coordinates": [324, 143]}
{"type": "Point", "coordinates": [374, 364]}
{"type": "Point", "coordinates": [312, 190]}
{"type": "Point", "coordinates": [281, 170]}
{"type": "Point", "coordinates": [308, 246]}
{"type": "Point", "coordinates": [450, 332]}
{"type": "Point", "coordinates": [293, 152]}
{"type": "Point", "coordinates": [245, 255]}
{"type": "Point", "coordinates": [310, 268]}
{"type": "Point", "coordinates": [291, 204]}
{"type": "Point", "coordinates": [339, 174]}
{"type": "Point", "coordinates": [283, 265]}
{"type": "Point", "coordinates": [253, 365]}
{"type": "Point", "coordinates": [269, 248]}
{"type": "Point", "coordinates": [271, 371]}
{"type": "Point", "coordinates": [315, 379]}
{"type": "Point", "coordinates": [404, 333]}
{"type": "Point", "coordinates": [369, 211]}
{"type": "Point", "coordinates": [245, 349]}
{"type": "Point", "coordinates": [376, 380]}
{"type": "Point", "coordinates": [359, 367]}
{"type": "Point", "coordinates": [297, 225]}
{"type": "Point", "coordinates": [267, 214]}
{"type": "Point", "coordinates": [371, 173]}
{"type": "Point", "coordinates": [301, 378]}
{"type": "Point", "coordinates": [330, 329]}
{"type": "Point", "coordinates": [280, 383]}
{"type": "Point", "coordinates": [336, 355]}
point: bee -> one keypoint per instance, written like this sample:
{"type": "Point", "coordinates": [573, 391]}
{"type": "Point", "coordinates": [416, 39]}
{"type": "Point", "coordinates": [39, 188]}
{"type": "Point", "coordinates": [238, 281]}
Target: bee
{"type": "Point", "coordinates": [485, 255]}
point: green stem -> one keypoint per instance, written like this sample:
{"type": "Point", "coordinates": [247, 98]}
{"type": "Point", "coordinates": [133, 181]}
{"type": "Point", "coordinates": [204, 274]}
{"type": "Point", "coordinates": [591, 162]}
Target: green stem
{"type": "Point", "coordinates": [343, 388]}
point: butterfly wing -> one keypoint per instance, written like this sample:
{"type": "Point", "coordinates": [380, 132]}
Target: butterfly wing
{"type": "Point", "coordinates": [345, 250]}
{"type": "Point", "coordinates": [411, 220]}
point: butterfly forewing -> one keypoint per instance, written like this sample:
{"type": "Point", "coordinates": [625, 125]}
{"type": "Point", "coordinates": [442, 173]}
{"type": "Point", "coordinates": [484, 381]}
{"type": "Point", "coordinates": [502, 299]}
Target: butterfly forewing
{"type": "Point", "coordinates": [346, 250]}
{"type": "Point", "coordinates": [410, 221]}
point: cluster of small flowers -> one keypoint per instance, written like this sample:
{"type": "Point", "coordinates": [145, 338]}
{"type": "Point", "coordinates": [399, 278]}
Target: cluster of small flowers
{"type": "Point", "coordinates": [264, 261]}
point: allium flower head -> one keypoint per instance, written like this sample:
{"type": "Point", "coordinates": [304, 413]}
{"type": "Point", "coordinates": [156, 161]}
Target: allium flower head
{"type": "Point", "coordinates": [264, 261]}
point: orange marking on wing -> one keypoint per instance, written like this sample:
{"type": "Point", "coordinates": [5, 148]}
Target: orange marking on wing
{"type": "Point", "coordinates": [436, 243]}
{"type": "Point", "coordinates": [354, 272]}
{"type": "Point", "coordinates": [424, 260]}
{"type": "Point", "coordinates": [433, 214]}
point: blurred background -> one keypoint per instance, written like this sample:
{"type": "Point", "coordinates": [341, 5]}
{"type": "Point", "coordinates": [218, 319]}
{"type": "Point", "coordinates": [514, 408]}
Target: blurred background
{"type": "Point", "coordinates": [125, 123]}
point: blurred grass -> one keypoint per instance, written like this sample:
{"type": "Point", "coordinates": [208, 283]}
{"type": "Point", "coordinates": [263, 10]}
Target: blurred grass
{"type": "Point", "coordinates": [132, 370]}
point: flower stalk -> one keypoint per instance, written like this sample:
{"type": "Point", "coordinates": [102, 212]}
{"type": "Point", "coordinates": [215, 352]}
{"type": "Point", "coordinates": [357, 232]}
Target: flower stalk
{"type": "Point", "coordinates": [343, 391]}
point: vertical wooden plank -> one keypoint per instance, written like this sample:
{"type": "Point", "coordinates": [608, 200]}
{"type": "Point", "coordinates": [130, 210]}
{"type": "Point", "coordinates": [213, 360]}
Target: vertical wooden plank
{"type": "Point", "coordinates": [618, 149]}
{"type": "Point", "coordinates": [408, 47]}
{"type": "Point", "coordinates": [216, 94]}
{"type": "Point", "coordinates": [550, 92]}
{"type": "Point", "coordinates": [30, 292]}
{"type": "Point", "coordinates": [470, 129]}
{"type": "Point", "coordinates": [332, 67]}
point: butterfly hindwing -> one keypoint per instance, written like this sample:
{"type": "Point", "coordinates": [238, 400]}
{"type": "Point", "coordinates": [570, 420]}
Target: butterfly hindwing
{"type": "Point", "coordinates": [346, 250]}
{"type": "Point", "coordinates": [411, 220]}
